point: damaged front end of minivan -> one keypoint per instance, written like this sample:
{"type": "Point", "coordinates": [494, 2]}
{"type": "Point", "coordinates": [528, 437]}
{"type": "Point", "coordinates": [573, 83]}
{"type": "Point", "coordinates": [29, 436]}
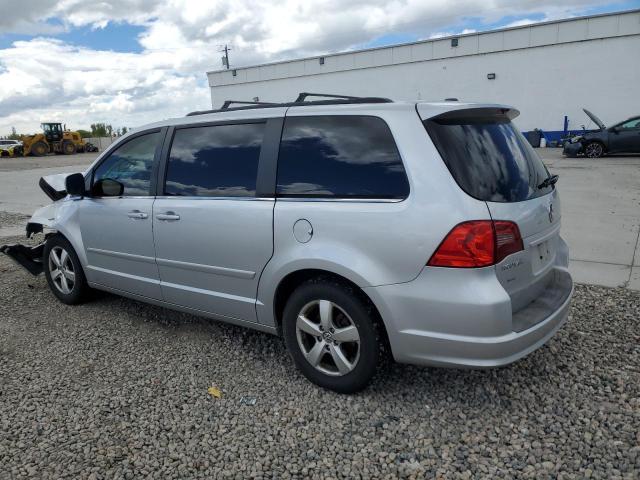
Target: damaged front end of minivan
{"type": "Point", "coordinates": [30, 257]}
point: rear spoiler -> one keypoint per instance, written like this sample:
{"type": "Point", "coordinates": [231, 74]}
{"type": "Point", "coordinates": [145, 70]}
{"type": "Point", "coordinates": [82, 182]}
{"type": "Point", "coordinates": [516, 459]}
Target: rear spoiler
{"type": "Point", "coordinates": [452, 111]}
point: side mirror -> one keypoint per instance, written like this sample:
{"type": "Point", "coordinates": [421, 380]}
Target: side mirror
{"type": "Point", "coordinates": [614, 130]}
{"type": "Point", "coordinates": [74, 184]}
{"type": "Point", "coordinates": [107, 187]}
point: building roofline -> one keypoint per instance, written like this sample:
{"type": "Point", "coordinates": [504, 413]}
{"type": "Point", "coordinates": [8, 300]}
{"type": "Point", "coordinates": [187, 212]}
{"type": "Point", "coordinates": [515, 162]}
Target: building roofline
{"type": "Point", "coordinates": [418, 42]}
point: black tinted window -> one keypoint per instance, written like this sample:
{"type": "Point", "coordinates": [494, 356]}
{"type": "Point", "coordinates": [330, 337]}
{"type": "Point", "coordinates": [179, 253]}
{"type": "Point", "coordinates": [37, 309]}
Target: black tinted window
{"type": "Point", "coordinates": [635, 123]}
{"type": "Point", "coordinates": [340, 156]}
{"type": "Point", "coordinates": [215, 161]}
{"type": "Point", "coordinates": [131, 165]}
{"type": "Point", "coordinates": [488, 157]}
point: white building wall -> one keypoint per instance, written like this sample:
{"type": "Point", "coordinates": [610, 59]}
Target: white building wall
{"type": "Point", "coordinates": [546, 71]}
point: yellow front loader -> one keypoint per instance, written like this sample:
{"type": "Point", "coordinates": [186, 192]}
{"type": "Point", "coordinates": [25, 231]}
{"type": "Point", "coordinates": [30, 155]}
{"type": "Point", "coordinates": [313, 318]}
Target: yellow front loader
{"type": "Point", "coordinates": [53, 140]}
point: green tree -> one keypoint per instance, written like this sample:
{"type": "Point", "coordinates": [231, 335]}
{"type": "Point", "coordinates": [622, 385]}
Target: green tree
{"type": "Point", "coordinates": [98, 130]}
{"type": "Point", "coordinates": [84, 133]}
{"type": "Point", "coordinates": [14, 135]}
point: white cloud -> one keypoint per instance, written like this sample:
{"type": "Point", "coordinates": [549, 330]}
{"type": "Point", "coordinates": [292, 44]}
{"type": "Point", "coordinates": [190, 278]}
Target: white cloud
{"type": "Point", "coordinates": [47, 79]}
{"type": "Point", "coordinates": [451, 33]}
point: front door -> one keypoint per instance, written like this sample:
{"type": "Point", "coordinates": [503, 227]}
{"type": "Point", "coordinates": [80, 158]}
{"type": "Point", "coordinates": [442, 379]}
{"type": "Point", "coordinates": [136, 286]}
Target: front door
{"type": "Point", "coordinates": [213, 234]}
{"type": "Point", "coordinates": [626, 137]}
{"type": "Point", "coordinates": [116, 225]}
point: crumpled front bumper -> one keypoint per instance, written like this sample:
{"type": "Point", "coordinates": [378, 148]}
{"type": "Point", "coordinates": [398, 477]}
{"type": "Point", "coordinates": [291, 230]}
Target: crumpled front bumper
{"type": "Point", "coordinates": [572, 149]}
{"type": "Point", "coordinates": [26, 256]}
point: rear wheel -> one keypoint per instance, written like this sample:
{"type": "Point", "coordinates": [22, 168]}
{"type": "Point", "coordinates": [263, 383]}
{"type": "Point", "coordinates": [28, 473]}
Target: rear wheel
{"type": "Point", "coordinates": [39, 149]}
{"type": "Point", "coordinates": [68, 148]}
{"type": "Point", "coordinates": [594, 150]}
{"type": "Point", "coordinates": [330, 332]}
{"type": "Point", "coordinates": [63, 271]}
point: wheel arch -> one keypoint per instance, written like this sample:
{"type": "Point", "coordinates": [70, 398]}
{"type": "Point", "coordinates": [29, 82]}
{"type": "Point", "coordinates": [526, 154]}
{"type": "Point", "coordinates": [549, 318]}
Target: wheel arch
{"type": "Point", "coordinates": [601, 141]}
{"type": "Point", "coordinates": [293, 279]}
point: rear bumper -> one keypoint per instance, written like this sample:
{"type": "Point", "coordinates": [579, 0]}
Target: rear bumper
{"type": "Point", "coordinates": [462, 318]}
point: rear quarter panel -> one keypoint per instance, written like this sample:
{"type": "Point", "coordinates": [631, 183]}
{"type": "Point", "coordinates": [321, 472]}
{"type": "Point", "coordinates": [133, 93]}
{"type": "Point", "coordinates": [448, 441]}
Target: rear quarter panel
{"type": "Point", "coordinates": [371, 242]}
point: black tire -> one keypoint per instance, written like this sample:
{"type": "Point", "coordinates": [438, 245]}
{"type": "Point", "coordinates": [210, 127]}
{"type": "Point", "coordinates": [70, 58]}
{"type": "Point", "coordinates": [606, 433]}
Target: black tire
{"type": "Point", "coordinates": [79, 290]}
{"type": "Point", "coordinates": [348, 306]}
{"type": "Point", "coordinates": [39, 149]}
{"type": "Point", "coordinates": [68, 148]}
{"type": "Point", "coordinates": [594, 150]}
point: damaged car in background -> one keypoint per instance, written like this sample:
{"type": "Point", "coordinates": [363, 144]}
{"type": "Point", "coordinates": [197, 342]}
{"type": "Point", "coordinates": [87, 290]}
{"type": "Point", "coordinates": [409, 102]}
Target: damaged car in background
{"type": "Point", "coordinates": [623, 137]}
{"type": "Point", "coordinates": [9, 148]}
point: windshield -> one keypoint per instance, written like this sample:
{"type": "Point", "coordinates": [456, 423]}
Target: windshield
{"type": "Point", "coordinates": [487, 156]}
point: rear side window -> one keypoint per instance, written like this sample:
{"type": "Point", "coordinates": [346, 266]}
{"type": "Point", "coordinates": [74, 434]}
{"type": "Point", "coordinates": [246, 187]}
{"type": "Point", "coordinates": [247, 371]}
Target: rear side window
{"type": "Point", "coordinates": [340, 156]}
{"type": "Point", "coordinates": [487, 156]}
{"type": "Point", "coordinates": [215, 161]}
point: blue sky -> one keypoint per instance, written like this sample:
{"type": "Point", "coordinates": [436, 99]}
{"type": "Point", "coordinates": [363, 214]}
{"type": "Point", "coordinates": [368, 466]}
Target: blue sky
{"type": "Point", "coordinates": [119, 37]}
{"type": "Point", "coordinates": [129, 62]}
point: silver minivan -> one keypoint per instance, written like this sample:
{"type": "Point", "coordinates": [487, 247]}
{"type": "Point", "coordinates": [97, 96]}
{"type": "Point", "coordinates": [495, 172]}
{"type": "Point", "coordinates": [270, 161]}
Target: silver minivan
{"type": "Point", "coordinates": [353, 227]}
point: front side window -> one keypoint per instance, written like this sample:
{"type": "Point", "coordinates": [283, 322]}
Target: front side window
{"type": "Point", "coordinates": [342, 156]}
{"type": "Point", "coordinates": [131, 165]}
{"type": "Point", "coordinates": [215, 161]}
{"type": "Point", "coordinates": [631, 124]}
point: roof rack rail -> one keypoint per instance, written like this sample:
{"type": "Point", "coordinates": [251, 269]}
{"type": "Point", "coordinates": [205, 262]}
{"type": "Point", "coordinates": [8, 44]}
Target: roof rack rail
{"type": "Point", "coordinates": [300, 101]}
{"type": "Point", "coordinates": [227, 103]}
{"type": "Point", "coordinates": [303, 96]}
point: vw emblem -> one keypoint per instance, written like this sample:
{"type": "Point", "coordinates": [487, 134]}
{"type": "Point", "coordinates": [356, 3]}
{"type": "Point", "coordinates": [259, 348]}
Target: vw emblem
{"type": "Point", "coordinates": [327, 336]}
{"type": "Point", "coordinates": [551, 212]}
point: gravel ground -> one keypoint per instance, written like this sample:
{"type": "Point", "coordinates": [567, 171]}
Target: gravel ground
{"type": "Point", "coordinates": [118, 389]}
{"type": "Point", "coordinates": [9, 219]}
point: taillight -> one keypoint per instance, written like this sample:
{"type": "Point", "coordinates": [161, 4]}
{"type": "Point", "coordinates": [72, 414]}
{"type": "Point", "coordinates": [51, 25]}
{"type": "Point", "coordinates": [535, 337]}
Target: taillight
{"type": "Point", "coordinates": [478, 243]}
{"type": "Point", "coordinates": [508, 239]}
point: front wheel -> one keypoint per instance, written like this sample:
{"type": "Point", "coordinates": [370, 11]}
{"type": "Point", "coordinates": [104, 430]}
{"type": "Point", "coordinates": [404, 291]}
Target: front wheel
{"type": "Point", "coordinates": [39, 149]}
{"type": "Point", "coordinates": [63, 271]}
{"type": "Point", "coordinates": [68, 148]}
{"type": "Point", "coordinates": [594, 150]}
{"type": "Point", "coordinates": [331, 335]}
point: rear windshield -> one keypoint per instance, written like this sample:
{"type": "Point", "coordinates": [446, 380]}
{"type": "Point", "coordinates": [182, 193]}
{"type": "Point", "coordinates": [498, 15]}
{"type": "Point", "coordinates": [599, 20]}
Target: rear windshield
{"type": "Point", "coordinates": [487, 156]}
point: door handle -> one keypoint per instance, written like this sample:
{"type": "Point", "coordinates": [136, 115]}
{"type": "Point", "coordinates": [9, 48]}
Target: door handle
{"type": "Point", "coordinates": [137, 214]}
{"type": "Point", "coordinates": [168, 216]}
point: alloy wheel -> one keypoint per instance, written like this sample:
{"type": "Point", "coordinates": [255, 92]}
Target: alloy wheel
{"type": "Point", "coordinates": [593, 150]}
{"type": "Point", "coordinates": [61, 270]}
{"type": "Point", "coordinates": [328, 338]}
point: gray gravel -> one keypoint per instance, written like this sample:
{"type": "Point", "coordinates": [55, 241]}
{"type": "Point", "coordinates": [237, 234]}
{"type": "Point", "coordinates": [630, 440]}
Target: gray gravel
{"type": "Point", "coordinates": [9, 219]}
{"type": "Point", "coordinates": [118, 389]}
{"type": "Point", "coordinates": [12, 164]}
